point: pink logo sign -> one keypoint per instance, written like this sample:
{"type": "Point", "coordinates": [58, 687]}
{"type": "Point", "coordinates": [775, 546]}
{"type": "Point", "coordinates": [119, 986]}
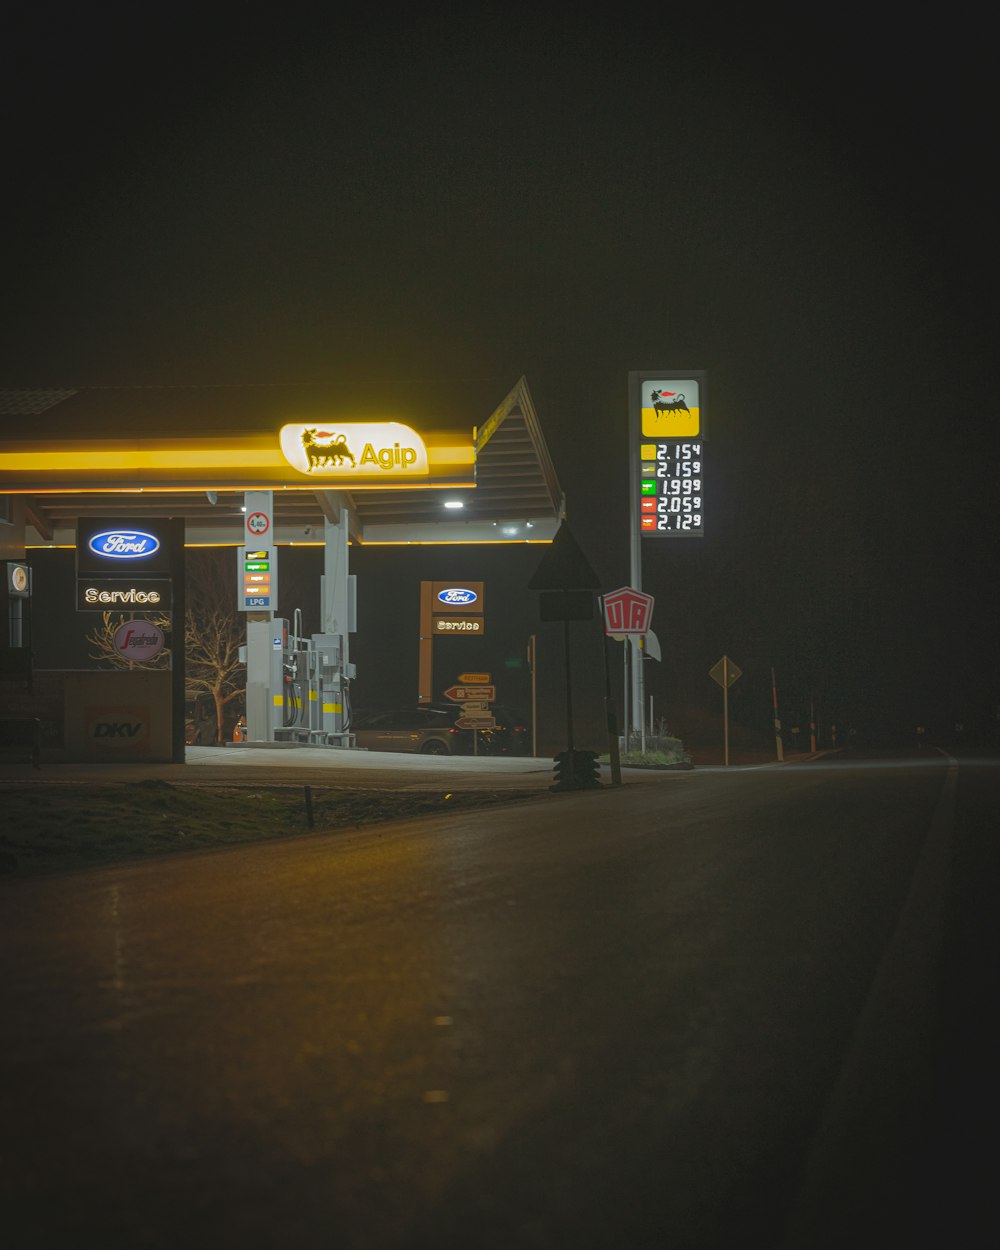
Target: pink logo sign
{"type": "Point", "coordinates": [138, 640]}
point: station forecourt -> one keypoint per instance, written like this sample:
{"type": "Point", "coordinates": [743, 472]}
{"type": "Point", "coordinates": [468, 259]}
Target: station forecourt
{"type": "Point", "coordinates": [186, 466]}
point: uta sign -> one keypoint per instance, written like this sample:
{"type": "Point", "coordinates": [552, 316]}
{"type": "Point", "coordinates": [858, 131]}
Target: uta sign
{"type": "Point", "coordinates": [627, 611]}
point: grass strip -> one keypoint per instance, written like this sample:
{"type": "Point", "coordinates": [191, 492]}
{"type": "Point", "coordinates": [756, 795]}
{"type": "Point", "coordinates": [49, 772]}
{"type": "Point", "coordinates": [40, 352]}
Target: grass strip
{"type": "Point", "coordinates": [61, 828]}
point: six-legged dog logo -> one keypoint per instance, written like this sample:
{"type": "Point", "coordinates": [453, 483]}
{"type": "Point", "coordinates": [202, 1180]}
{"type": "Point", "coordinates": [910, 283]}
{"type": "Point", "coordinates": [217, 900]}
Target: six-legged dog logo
{"type": "Point", "coordinates": [321, 455]}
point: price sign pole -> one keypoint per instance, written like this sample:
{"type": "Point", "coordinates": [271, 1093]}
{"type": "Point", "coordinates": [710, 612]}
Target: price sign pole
{"type": "Point", "coordinates": [666, 483]}
{"type": "Point", "coordinates": [257, 596]}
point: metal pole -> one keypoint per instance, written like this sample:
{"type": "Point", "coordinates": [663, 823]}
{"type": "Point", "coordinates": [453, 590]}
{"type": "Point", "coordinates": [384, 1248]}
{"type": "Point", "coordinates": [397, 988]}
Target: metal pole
{"type": "Point", "coordinates": [425, 647]}
{"type": "Point", "coordinates": [178, 622]}
{"type": "Point", "coordinates": [725, 708]}
{"type": "Point", "coordinates": [779, 747]}
{"type": "Point", "coordinates": [626, 660]}
{"type": "Point", "coordinates": [609, 710]}
{"type": "Point", "coordinates": [569, 687]}
{"type": "Point", "coordinates": [812, 726]}
{"type": "Point", "coordinates": [638, 681]}
{"type": "Point", "coordinates": [534, 696]}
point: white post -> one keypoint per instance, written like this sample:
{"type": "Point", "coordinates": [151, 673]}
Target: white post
{"type": "Point", "coordinates": [259, 694]}
{"type": "Point", "coordinates": [258, 532]}
{"type": "Point", "coordinates": [336, 597]}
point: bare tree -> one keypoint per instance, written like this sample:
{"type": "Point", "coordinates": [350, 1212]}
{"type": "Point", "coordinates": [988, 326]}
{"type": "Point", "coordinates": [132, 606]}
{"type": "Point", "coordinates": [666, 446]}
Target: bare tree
{"type": "Point", "coordinates": [214, 632]}
{"type": "Point", "coordinates": [102, 639]}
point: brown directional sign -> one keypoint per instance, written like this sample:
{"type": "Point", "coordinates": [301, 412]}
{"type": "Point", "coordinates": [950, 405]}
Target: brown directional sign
{"type": "Point", "coordinates": [479, 694]}
{"type": "Point", "coordinates": [475, 722]}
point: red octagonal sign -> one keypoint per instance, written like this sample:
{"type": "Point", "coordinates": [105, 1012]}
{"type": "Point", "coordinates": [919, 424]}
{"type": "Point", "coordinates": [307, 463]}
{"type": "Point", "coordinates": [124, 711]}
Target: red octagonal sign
{"type": "Point", "coordinates": [627, 611]}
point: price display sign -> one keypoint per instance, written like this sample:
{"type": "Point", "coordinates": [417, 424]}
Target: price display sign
{"type": "Point", "coordinates": [257, 571]}
{"type": "Point", "coordinates": [257, 560]}
{"type": "Point", "coordinates": [667, 447]}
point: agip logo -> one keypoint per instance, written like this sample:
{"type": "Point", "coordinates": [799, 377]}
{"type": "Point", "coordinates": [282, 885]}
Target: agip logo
{"type": "Point", "coordinates": [124, 544]}
{"type": "Point", "coordinates": [671, 409]}
{"type": "Point", "coordinates": [376, 450]}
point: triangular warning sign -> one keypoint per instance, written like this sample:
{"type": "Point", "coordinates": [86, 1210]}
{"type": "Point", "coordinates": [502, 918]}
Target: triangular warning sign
{"type": "Point", "coordinates": [564, 566]}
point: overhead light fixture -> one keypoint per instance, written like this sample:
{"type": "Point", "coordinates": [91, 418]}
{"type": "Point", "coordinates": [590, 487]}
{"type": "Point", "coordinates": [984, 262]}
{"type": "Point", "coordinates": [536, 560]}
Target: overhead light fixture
{"type": "Point", "coordinates": [454, 503]}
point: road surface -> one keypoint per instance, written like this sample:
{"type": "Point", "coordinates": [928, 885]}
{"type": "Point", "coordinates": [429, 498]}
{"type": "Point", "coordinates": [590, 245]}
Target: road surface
{"type": "Point", "coordinates": [710, 1009]}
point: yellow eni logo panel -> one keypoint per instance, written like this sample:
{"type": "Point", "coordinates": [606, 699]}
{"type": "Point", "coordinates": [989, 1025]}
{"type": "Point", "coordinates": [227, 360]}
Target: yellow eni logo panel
{"type": "Point", "coordinates": [671, 409]}
{"type": "Point", "coordinates": [379, 450]}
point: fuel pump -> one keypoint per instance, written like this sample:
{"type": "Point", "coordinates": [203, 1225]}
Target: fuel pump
{"type": "Point", "coordinates": [314, 703]}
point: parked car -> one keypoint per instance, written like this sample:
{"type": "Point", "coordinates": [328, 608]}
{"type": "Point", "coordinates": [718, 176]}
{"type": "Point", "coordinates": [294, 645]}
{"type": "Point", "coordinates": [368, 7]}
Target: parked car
{"type": "Point", "coordinates": [430, 729]}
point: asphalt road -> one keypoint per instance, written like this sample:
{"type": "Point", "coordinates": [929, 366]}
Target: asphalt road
{"type": "Point", "coordinates": [719, 1008]}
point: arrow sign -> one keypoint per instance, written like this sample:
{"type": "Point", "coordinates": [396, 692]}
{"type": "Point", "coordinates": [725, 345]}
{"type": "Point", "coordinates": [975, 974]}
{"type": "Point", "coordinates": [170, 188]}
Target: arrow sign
{"type": "Point", "coordinates": [476, 722]}
{"type": "Point", "coordinates": [475, 694]}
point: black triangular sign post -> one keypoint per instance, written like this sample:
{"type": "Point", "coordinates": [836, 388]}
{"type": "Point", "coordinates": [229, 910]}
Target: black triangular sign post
{"type": "Point", "coordinates": [564, 566]}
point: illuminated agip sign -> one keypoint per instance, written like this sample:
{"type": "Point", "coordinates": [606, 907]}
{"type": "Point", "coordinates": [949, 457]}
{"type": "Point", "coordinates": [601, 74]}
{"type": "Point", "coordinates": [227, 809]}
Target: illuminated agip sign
{"type": "Point", "coordinates": [360, 455]}
{"type": "Point", "coordinates": [383, 450]}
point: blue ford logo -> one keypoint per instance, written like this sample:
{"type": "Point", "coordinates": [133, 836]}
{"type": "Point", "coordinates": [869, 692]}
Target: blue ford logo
{"type": "Point", "coordinates": [457, 595]}
{"type": "Point", "coordinates": [123, 544]}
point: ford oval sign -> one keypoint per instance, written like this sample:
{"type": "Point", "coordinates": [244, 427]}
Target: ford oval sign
{"type": "Point", "coordinates": [457, 595]}
{"type": "Point", "coordinates": [124, 544]}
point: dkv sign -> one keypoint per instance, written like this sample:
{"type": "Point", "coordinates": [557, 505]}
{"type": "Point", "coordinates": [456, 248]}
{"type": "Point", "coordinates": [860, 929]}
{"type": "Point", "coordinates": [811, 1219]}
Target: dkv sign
{"type": "Point", "coordinates": [627, 612]}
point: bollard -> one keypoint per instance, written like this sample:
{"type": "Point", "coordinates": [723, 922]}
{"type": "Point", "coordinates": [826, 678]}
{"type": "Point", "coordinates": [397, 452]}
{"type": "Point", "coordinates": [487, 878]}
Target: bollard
{"type": "Point", "coordinates": [576, 770]}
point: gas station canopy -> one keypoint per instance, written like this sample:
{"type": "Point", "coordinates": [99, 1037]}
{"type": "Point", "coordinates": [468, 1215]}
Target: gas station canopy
{"type": "Point", "coordinates": [402, 468]}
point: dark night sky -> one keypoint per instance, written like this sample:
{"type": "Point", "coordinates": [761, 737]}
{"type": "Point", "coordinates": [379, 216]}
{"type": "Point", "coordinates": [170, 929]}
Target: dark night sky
{"type": "Point", "coordinates": [800, 203]}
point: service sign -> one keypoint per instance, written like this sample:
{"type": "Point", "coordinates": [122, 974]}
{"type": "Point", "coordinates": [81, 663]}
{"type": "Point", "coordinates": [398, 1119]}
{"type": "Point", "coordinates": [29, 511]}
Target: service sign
{"type": "Point", "coordinates": [122, 547]}
{"type": "Point", "coordinates": [102, 594]}
{"type": "Point", "coordinates": [364, 452]}
{"type": "Point", "coordinates": [667, 437]}
{"type": "Point", "coordinates": [467, 626]}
